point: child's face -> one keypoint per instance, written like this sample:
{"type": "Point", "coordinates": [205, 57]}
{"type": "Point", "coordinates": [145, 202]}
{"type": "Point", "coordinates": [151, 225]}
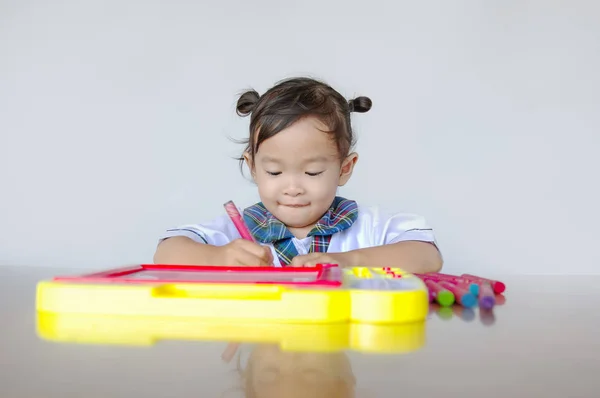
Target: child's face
{"type": "Point", "coordinates": [297, 173]}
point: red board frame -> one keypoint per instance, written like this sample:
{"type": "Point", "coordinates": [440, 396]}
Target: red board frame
{"type": "Point", "coordinates": [324, 275]}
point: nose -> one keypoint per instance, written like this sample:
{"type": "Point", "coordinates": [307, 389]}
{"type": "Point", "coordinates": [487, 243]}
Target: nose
{"type": "Point", "coordinates": [293, 188]}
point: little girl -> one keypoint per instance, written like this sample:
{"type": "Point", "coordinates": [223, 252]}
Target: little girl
{"type": "Point", "coordinates": [299, 152]}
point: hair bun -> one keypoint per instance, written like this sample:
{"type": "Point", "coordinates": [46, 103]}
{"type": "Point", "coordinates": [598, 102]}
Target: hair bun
{"type": "Point", "coordinates": [247, 102]}
{"type": "Point", "coordinates": [360, 104]}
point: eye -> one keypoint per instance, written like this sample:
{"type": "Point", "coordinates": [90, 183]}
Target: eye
{"type": "Point", "coordinates": [314, 174]}
{"type": "Point", "coordinates": [273, 173]}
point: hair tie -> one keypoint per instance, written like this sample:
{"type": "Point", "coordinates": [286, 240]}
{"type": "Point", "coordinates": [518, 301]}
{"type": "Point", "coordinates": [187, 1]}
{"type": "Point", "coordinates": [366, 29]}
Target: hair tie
{"type": "Point", "coordinates": [351, 105]}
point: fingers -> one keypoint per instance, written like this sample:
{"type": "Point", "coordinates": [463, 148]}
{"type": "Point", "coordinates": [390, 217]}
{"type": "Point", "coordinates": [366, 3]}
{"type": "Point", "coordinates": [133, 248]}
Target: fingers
{"type": "Point", "coordinates": [248, 259]}
{"type": "Point", "coordinates": [262, 253]}
{"type": "Point", "coordinates": [229, 352]}
{"type": "Point", "coordinates": [297, 261]}
{"type": "Point", "coordinates": [306, 260]}
{"type": "Point", "coordinates": [311, 263]}
{"type": "Point", "coordinates": [268, 255]}
{"type": "Point", "coordinates": [265, 255]}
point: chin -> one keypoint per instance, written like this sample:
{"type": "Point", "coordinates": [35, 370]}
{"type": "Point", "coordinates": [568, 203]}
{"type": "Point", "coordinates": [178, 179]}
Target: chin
{"type": "Point", "coordinates": [293, 220]}
{"type": "Point", "coordinates": [294, 223]}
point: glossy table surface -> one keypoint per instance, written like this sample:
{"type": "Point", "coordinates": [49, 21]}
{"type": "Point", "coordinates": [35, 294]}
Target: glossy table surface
{"type": "Point", "coordinates": [543, 341]}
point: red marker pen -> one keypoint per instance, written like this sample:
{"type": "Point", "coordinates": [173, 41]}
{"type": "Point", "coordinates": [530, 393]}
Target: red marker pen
{"type": "Point", "coordinates": [468, 284]}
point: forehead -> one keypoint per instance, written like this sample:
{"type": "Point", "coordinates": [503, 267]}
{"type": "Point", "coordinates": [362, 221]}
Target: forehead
{"type": "Point", "coordinates": [306, 139]}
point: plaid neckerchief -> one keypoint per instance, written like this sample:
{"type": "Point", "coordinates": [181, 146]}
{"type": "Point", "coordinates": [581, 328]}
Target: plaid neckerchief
{"type": "Point", "coordinates": [267, 229]}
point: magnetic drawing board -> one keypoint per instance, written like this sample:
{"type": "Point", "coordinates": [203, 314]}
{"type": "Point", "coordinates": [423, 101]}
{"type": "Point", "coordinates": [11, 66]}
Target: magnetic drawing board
{"type": "Point", "coordinates": [313, 295]}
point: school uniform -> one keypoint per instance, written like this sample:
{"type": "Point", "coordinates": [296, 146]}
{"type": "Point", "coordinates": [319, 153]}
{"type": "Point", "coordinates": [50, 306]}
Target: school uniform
{"type": "Point", "coordinates": [345, 226]}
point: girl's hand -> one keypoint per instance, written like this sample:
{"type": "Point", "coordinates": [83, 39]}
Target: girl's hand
{"type": "Point", "coordinates": [312, 259]}
{"type": "Point", "coordinates": [244, 253]}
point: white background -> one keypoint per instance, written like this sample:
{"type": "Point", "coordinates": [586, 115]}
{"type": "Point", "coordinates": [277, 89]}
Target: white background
{"type": "Point", "coordinates": [116, 119]}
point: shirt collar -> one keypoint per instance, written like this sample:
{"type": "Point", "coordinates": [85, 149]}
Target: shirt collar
{"type": "Point", "coordinates": [265, 228]}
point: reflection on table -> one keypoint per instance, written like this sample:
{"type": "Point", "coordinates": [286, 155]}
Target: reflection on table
{"type": "Point", "coordinates": [486, 317]}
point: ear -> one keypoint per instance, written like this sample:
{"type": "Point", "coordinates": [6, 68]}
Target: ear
{"type": "Point", "coordinates": [248, 160]}
{"type": "Point", "coordinates": [347, 168]}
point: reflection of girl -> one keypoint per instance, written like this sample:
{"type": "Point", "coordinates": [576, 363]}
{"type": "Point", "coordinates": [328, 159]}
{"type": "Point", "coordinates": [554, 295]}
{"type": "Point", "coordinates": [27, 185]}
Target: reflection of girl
{"type": "Point", "coordinates": [271, 373]}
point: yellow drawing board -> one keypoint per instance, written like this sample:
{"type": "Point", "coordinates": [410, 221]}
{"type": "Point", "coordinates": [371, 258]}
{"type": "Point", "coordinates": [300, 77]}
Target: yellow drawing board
{"type": "Point", "coordinates": [324, 294]}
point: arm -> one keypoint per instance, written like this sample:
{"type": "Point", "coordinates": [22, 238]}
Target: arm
{"type": "Point", "coordinates": [184, 251]}
{"type": "Point", "coordinates": [411, 256]}
{"type": "Point", "coordinates": [401, 241]}
{"type": "Point", "coordinates": [181, 250]}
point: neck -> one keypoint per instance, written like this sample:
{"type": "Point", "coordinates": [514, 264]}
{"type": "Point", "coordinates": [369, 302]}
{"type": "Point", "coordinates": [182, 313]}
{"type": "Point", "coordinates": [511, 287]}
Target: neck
{"type": "Point", "coordinates": [302, 232]}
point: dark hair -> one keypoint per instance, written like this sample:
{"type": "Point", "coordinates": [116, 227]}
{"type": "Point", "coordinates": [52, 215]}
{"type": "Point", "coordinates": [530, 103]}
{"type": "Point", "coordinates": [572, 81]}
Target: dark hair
{"type": "Point", "coordinates": [293, 99]}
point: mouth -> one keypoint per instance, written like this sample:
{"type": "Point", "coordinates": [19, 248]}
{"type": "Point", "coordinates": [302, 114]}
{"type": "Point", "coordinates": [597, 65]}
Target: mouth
{"type": "Point", "coordinates": [294, 206]}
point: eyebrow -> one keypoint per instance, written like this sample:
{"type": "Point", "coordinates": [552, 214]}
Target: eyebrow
{"type": "Point", "coordinates": [318, 158]}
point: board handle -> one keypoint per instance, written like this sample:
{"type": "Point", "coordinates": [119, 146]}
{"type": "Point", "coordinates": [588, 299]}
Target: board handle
{"type": "Point", "coordinates": [217, 291]}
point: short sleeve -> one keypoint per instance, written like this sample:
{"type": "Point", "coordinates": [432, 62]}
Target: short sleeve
{"type": "Point", "coordinates": [400, 227]}
{"type": "Point", "coordinates": [217, 232]}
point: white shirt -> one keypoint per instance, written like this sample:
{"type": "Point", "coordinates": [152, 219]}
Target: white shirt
{"type": "Point", "coordinates": [371, 228]}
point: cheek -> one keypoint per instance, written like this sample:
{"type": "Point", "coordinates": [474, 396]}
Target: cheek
{"type": "Point", "coordinates": [266, 187]}
{"type": "Point", "coordinates": [327, 187]}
